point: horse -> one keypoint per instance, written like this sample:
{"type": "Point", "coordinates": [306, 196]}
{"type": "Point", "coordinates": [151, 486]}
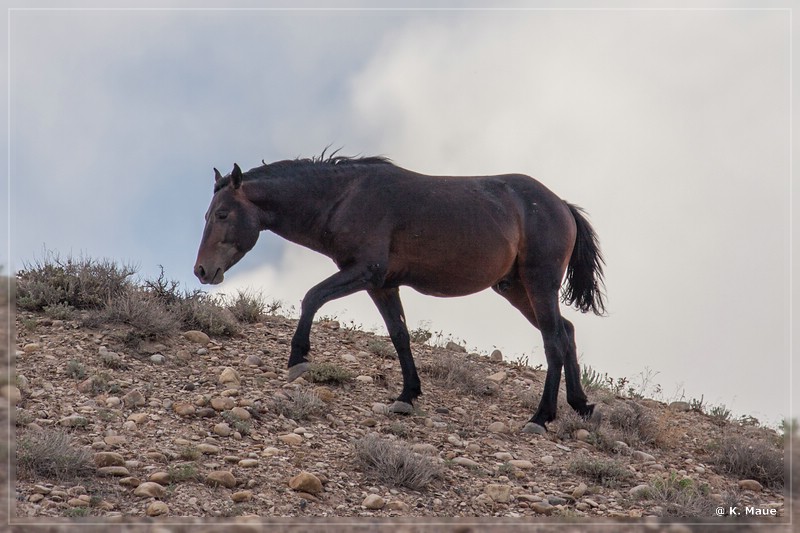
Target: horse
{"type": "Point", "coordinates": [386, 227]}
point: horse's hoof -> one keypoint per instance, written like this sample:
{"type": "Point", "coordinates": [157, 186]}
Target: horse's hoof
{"type": "Point", "coordinates": [296, 371]}
{"type": "Point", "coordinates": [536, 429]}
{"type": "Point", "coordinates": [401, 408]}
{"type": "Point", "coordinates": [596, 419]}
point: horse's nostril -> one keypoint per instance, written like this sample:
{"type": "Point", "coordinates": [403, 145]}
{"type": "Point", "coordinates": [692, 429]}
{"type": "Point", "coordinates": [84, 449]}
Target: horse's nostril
{"type": "Point", "coordinates": [199, 271]}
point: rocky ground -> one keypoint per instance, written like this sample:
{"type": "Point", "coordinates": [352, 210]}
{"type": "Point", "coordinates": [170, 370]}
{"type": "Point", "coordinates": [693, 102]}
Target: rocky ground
{"type": "Point", "coordinates": [208, 429]}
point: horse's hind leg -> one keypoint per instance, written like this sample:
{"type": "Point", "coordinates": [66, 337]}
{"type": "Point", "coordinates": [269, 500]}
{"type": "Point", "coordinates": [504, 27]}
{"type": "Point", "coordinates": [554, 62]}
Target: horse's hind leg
{"type": "Point", "coordinates": [391, 308]}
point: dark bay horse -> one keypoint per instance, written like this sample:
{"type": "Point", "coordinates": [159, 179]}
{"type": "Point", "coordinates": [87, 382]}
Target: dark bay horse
{"type": "Point", "coordinates": [385, 226]}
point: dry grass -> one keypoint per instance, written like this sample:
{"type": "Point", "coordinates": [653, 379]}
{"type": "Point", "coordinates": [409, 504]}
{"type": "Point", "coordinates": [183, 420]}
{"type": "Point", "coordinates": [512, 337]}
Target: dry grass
{"type": "Point", "coordinates": [608, 473]}
{"type": "Point", "coordinates": [299, 404]}
{"type": "Point", "coordinates": [328, 373]}
{"type": "Point", "coordinates": [248, 306]}
{"type": "Point", "coordinates": [747, 458]}
{"type": "Point", "coordinates": [681, 497]}
{"type": "Point", "coordinates": [458, 372]}
{"type": "Point", "coordinates": [395, 464]}
{"type": "Point", "coordinates": [49, 454]}
{"type": "Point", "coordinates": [148, 317]}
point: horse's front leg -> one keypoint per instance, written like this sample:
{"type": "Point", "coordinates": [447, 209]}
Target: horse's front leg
{"type": "Point", "coordinates": [343, 283]}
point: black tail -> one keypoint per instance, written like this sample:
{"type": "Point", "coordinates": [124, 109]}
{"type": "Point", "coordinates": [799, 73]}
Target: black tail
{"type": "Point", "coordinates": [584, 280]}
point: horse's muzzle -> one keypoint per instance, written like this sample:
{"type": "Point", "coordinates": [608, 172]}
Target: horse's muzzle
{"type": "Point", "coordinates": [214, 277]}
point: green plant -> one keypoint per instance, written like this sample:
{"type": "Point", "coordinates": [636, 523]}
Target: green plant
{"type": "Point", "coordinates": [720, 414]}
{"type": "Point", "coordinates": [328, 373]}
{"type": "Point", "coordinates": [381, 348]}
{"type": "Point", "coordinates": [678, 496]}
{"type": "Point", "coordinates": [189, 453]}
{"type": "Point", "coordinates": [75, 369]}
{"type": "Point", "coordinates": [608, 473]}
{"type": "Point", "coordinates": [393, 463]}
{"type": "Point", "coordinates": [421, 334]}
{"type": "Point", "coordinates": [184, 472]}
{"type": "Point", "coordinates": [59, 311]}
{"type": "Point", "coordinates": [591, 379]}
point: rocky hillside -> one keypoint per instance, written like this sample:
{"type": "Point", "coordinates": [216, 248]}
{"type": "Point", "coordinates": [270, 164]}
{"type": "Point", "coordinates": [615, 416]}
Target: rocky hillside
{"type": "Point", "coordinates": [207, 428]}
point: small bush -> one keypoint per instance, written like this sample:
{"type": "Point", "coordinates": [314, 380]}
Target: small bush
{"type": "Point", "coordinates": [247, 306]}
{"type": "Point", "coordinates": [184, 472]}
{"type": "Point", "coordinates": [299, 404]}
{"type": "Point", "coordinates": [328, 373]}
{"type": "Point", "coordinates": [567, 423]}
{"type": "Point", "coordinates": [81, 283]}
{"type": "Point", "coordinates": [60, 311]}
{"type": "Point", "coordinates": [748, 458]}
{"type": "Point", "coordinates": [396, 464]}
{"type": "Point", "coordinates": [189, 453]}
{"type": "Point", "coordinates": [206, 313]}
{"type": "Point", "coordinates": [681, 497]}
{"type": "Point", "coordinates": [75, 369]}
{"type": "Point", "coordinates": [607, 473]}
{"type": "Point", "coordinates": [381, 348]}
{"type": "Point", "coordinates": [636, 424]}
{"type": "Point", "coordinates": [459, 373]}
{"type": "Point", "coordinates": [49, 453]}
{"type": "Point", "coordinates": [420, 335]}
{"type": "Point", "coordinates": [149, 318]}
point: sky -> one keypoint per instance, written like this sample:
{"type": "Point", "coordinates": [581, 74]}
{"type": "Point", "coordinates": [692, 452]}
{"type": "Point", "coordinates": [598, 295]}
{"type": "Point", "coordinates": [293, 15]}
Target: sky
{"type": "Point", "coordinates": [671, 127]}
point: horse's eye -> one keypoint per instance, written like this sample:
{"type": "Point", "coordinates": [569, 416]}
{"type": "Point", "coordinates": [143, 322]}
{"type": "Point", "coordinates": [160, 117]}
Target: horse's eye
{"type": "Point", "coordinates": [222, 215]}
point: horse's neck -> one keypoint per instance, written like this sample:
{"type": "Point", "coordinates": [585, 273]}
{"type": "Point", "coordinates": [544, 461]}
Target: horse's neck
{"type": "Point", "coordinates": [298, 209]}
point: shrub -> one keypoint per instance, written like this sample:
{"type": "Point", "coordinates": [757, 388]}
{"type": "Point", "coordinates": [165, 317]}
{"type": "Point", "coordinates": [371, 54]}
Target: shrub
{"type": "Point", "coordinates": [396, 464]}
{"type": "Point", "coordinates": [81, 283]}
{"type": "Point", "coordinates": [748, 458]}
{"type": "Point", "coordinates": [567, 423]}
{"type": "Point", "coordinates": [636, 424]}
{"type": "Point", "coordinates": [327, 373]}
{"type": "Point", "coordinates": [681, 497]}
{"type": "Point", "coordinates": [381, 348]}
{"type": "Point", "coordinates": [75, 369]}
{"type": "Point", "coordinates": [184, 472]}
{"type": "Point", "coordinates": [299, 404]}
{"type": "Point", "coordinates": [48, 453]}
{"type": "Point", "coordinates": [458, 373]}
{"type": "Point", "coordinates": [607, 473]}
{"type": "Point", "coordinates": [248, 306]}
{"type": "Point", "coordinates": [206, 313]}
{"type": "Point", "coordinates": [148, 316]}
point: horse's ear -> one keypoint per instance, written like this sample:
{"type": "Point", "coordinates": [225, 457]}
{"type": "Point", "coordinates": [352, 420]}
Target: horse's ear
{"type": "Point", "coordinates": [217, 175]}
{"type": "Point", "coordinates": [236, 176]}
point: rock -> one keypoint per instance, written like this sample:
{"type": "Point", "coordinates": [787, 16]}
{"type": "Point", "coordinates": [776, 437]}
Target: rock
{"type": "Point", "coordinates": [325, 394]}
{"type": "Point", "coordinates": [542, 508]}
{"type": "Point", "coordinates": [108, 459]}
{"type": "Point", "coordinates": [364, 379]}
{"type": "Point", "coordinates": [498, 493]}
{"type": "Point", "coordinates": [77, 502]}
{"type": "Point", "coordinates": [197, 337]}
{"type": "Point", "coordinates": [750, 484]}
{"type": "Point", "coordinates": [680, 406]}
{"type": "Point", "coordinates": [223, 430]}
{"type": "Point", "coordinates": [640, 491]}
{"type": "Point", "coordinates": [253, 360]}
{"type": "Point", "coordinates": [423, 448]}
{"type": "Point", "coordinates": [207, 449]}
{"type": "Point", "coordinates": [240, 413]}
{"type": "Point", "coordinates": [463, 461]}
{"type": "Point", "coordinates": [184, 409]}
{"type": "Point", "coordinates": [242, 496]}
{"type": "Point", "coordinates": [150, 489]}
{"type": "Point", "coordinates": [134, 398]}
{"type": "Point", "coordinates": [222, 403]}
{"type": "Point", "coordinates": [398, 505]}
{"type": "Point", "coordinates": [582, 435]}
{"type": "Point", "coordinates": [579, 491]}
{"type": "Point", "coordinates": [162, 478]}
{"type": "Point", "coordinates": [547, 459]}
{"type": "Point", "coordinates": [521, 464]}
{"type": "Point", "coordinates": [157, 359]}
{"type": "Point", "coordinates": [248, 463]}
{"type": "Point", "coordinates": [349, 358]}
{"type": "Point", "coordinates": [117, 471]}
{"type": "Point", "coordinates": [306, 482]}
{"type": "Point", "coordinates": [454, 347]}
{"type": "Point", "coordinates": [498, 427]}
{"type": "Point", "coordinates": [642, 456]}
{"type": "Point", "coordinates": [221, 477]}
{"type": "Point", "coordinates": [129, 481]}
{"type": "Point", "coordinates": [292, 439]}
{"type": "Point", "coordinates": [536, 429]}
{"type": "Point", "coordinates": [115, 440]}
{"type": "Point", "coordinates": [138, 418]}
{"type": "Point", "coordinates": [380, 408]}
{"type": "Point", "coordinates": [74, 421]}
{"type": "Point", "coordinates": [229, 376]}
{"type": "Point", "coordinates": [373, 501]}
{"type": "Point", "coordinates": [157, 508]}
{"type": "Point", "coordinates": [503, 456]}
{"type": "Point", "coordinates": [496, 356]}
{"type": "Point", "coordinates": [497, 377]}
{"type": "Point", "coordinates": [11, 393]}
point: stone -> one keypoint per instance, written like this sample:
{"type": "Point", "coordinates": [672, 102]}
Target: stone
{"type": "Point", "coordinates": [77, 502]}
{"type": "Point", "coordinates": [74, 421]}
{"type": "Point", "coordinates": [373, 501]}
{"type": "Point", "coordinates": [380, 408]}
{"type": "Point", "coordinates": [11, 393]}
{"type": "Point", "coordinates": [582, 435]}
{"type": "Point", "coordinates": [184, 409]}
{"type": "Point", "coordinates": [229, 376]}
{"type": "Point", "coordinates": [547, 459]}
{"type": "Point", "coordinates": [423, 448]}
{"type": "Point", "coordinates": [116, 471]}
{"type": "Point", "coordinates": [497, 377]}
{"type": "Point", "coordinates": [498, 427]}
{"type": "Point", "coordinates": [542, 508]}
{"type": "Point", "coordinates": [364, 379]}
{"type": "Point", "coordinates": [579, 491]}
{"type": "Point", "coordinates": [240, 413]}
{"type": "Point", "coordinates": [108, 459]}
{"type": "Point", "coordinates": [138, 418]}
{"type": "Point", "coordinates": [129, 481]}
{"type": "Point", "coordinates": [499, 493]}
{"type": "Point", "coordinates": [157, 508]}
{"type": "Point", "coordinates": [207, 449]}
{"type": "Point", "coordinates": [306, 482]}
{"type": "Point", "coordinates": [680, 406]}
{"type": "Point", "coordinates": [115, 440]}
{"type": "Point", "coordinates": [150, 489]}
{"type": "Point", "coordinates": [157, 359]}
{"type": "Point", "coordinates": [496, 356]}
{"type": "Point", "coordinates": [222, 403]}
{"type": "Point", "coordinates": [521, 464]}
{"type": "Point", "coordinates": [455, 347]}
{"type": "Point", "coordinates": [197, 337]}
{"type": "Point", "coordinates": [463, 461]}
{"type": "Point", "coordinates": [642, 456]}
{"type": "Point", "coordinates": [325, 394]}
{"type": "Point", "coordinates": [253, 360]}
{"type": "Point", "coordinates": [349, 358]}
{"type": "Point", "coordinates": [750, 484]}
{"type": "Point", "coordinates": [134, 398]}
{"type": "Point", "coordinates": [221, 477]}
{"type": "Point", "coordinates": [223, 430]}
{"type": "Point", "coordinates": [162, 478]}
{"type": "Point", "coordinates": [248, 463]}
{"type": "Point", "coordinates": [242, 496]}
{"type": "Point", "coordinates": [292, 439]}
{"type": "Point", "coordinates": [503, 456]}
{"type": "Point", "coordinates": [640, 491]}
{"type": "Point", "coordinates": [397, 505]}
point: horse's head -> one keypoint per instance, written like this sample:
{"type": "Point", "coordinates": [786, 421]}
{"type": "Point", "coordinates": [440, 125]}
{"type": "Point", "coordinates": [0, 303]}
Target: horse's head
{"type": "Point", "coordinates": [232, 227]}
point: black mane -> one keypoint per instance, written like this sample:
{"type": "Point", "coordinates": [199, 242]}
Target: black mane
{"type": "Point", "coordinates": [305, 164]}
